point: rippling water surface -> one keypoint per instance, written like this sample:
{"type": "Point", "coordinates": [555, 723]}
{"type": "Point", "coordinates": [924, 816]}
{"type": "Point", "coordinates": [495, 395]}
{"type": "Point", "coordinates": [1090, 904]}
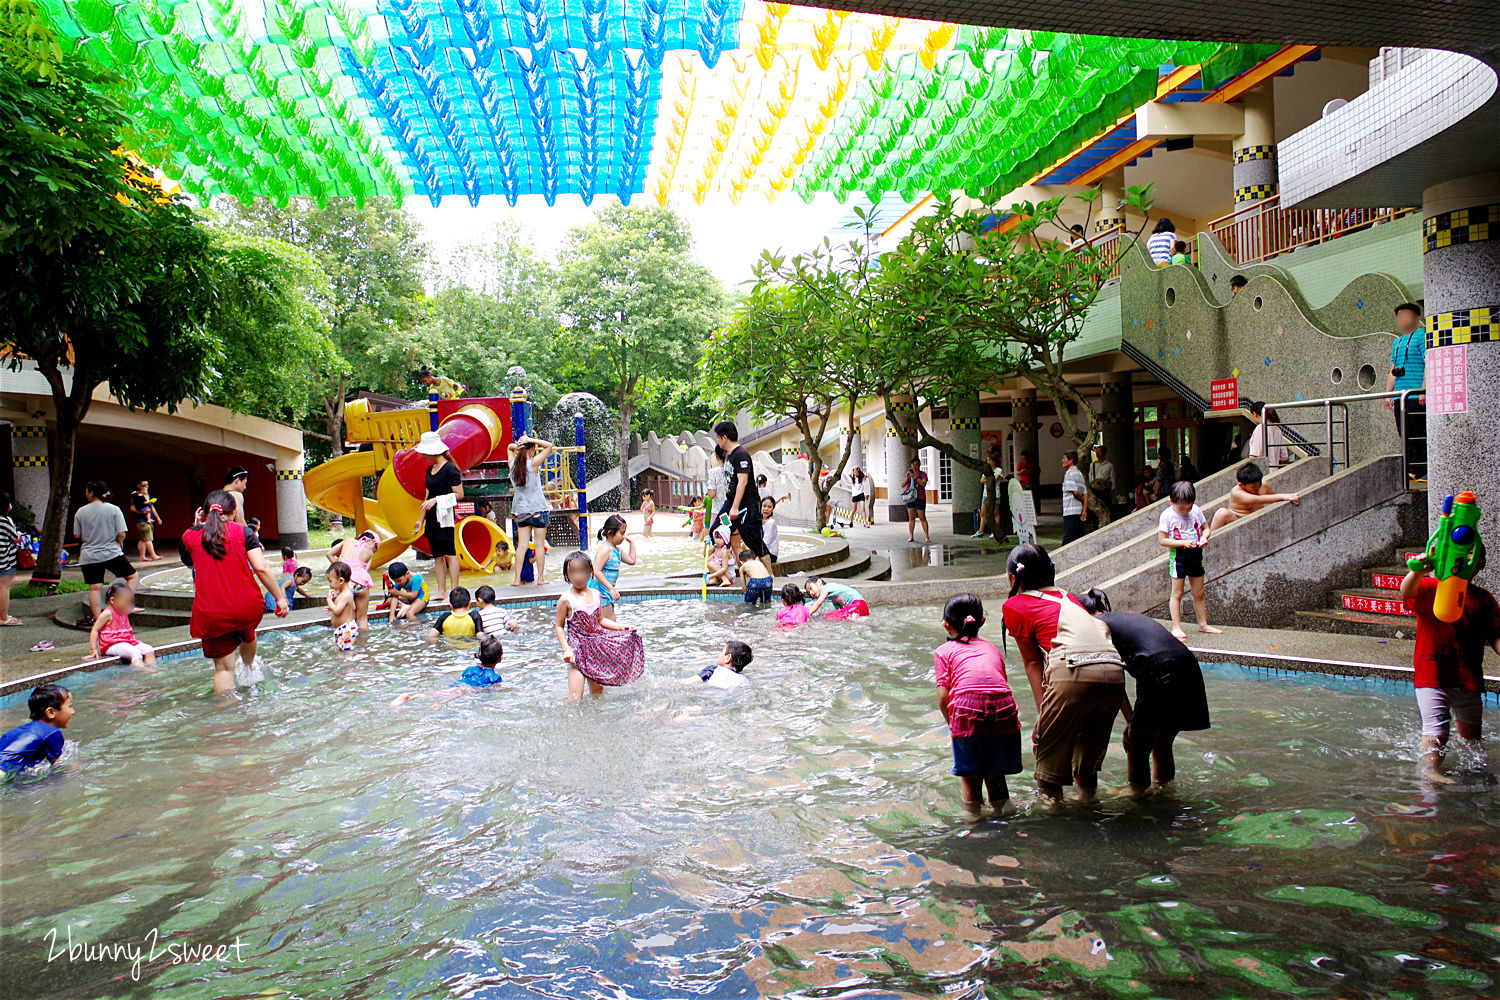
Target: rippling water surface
{"type": "Point", "coordinates": [800, 838]}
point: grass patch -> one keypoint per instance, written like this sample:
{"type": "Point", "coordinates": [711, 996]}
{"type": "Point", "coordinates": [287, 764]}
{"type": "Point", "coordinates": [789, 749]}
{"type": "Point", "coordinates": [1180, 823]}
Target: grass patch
{"type": "Point", "coordinates": [24, 591]}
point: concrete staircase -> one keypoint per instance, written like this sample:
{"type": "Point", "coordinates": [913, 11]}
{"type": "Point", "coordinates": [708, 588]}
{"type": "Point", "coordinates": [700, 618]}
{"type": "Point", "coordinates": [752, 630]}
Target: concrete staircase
{"type": "Point", "coordinates": [1264, 567]}
{"type": "Point", "coordinates": [1374, 608]}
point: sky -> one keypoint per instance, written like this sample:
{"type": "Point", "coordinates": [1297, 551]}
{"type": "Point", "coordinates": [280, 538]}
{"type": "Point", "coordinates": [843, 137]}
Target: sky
{"type": "Point", "coordinates": [728, 238]}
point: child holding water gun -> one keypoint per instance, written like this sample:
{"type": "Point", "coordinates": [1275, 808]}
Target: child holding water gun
{"type": "Point", "coordinates": [1456, 620]}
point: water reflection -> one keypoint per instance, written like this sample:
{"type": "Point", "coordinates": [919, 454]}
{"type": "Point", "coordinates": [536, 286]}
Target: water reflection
{"type": "Point", "coordinates": [802, 837]}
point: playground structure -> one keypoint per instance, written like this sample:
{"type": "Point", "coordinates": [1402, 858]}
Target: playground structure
{"type": "Point", "coordinates": [478, 433]}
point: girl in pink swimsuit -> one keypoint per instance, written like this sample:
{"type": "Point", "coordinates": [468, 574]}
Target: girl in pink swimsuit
{"type": "Point", "coordinates": [356, 554]}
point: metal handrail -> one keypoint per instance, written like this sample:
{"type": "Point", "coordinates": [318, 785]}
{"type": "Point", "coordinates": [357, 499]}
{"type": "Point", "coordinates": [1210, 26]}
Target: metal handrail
{"type": "Point", "coordinates": [1341, 403]}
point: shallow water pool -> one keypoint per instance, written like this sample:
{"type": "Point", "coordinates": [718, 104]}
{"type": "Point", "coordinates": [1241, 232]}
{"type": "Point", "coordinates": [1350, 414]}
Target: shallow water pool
{"type": "Point", "coordinates": [801, 838]}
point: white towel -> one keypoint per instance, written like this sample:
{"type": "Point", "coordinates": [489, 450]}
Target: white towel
{"type": "Point", "coordinates": [445, 506]}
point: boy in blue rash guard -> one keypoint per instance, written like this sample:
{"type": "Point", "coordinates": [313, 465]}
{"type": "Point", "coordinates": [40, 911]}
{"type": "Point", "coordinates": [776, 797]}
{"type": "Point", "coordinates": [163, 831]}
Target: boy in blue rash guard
{"type": "Point", "coordinates": [408, 595]}
{"type": "Point", "coordinates": [485, 673]}
{"type": "Point", "coordinates": [40, 740]}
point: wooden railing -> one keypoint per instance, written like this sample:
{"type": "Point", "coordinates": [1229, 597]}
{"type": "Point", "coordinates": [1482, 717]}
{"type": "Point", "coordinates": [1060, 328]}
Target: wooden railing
{"type": "Point", "coordinates": [1265, 229]}
{"type": "Point", "coordinates": [675, 493]}
{"type": "Point", "coordinates": [1107, 245]}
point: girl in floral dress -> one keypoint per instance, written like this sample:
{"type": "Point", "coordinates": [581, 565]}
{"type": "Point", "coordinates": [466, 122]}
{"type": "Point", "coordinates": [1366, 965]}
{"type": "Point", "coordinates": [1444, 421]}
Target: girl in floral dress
{"type": "Point", "coordinates": [597, 650]}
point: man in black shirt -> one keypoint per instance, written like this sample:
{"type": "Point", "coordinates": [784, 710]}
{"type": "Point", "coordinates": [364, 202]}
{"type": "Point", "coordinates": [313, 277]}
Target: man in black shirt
{"type": "Point", "coordinates": [742, 497]}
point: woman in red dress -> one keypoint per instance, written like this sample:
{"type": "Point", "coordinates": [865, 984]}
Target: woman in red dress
{"type": "Point", "coordinates": [227, 605]}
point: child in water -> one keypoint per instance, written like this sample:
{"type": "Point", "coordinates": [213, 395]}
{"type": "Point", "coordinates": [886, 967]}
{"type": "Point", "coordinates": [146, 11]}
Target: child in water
{"type": "Point", "coordinates": [607, 560]}
{"type": "Point", "coordinates": [845, 599]}
{"type": "Point", "coordinates": [40, 740]}
{"type": "Point", "coordinates": [492, 617]}
{"type": "Point", "coordinates": [485, 673]}
{"type": "Point", "coordinates": [460, 621]}
{"type": "Point", "coordinates": [112, 632]}
{"type": "Point", "coordinates": [356, 554]}
{"type": "Point", "coordinates": [648, 510]}
{"type": "Point", "coordinates": [288, 560]}
{"type": "Point", "coordinates": [291, 584]}
{"type": "Point", "coordinates": [793, 610]}
{"type": "Point", "coordinates": [728, 671]}
{"type": "Point", "coordinates": [340, 602]}
{"type": "Point", "coordinates": [1248, 496]}
{"type": "Point", "coordinates": [1449, 662]}
{"type": "Point", "coordinates": [598, 650]}
{"type": "Point", "coordinates": [975, 699]}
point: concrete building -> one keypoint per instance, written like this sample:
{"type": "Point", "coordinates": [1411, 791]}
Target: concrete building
{"type": "Point", "coordinates": [184, 455]}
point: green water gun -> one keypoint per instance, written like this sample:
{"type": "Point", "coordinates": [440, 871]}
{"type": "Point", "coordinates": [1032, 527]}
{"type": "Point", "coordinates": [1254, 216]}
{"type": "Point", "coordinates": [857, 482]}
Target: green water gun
{"type": "Point", "coordinates": [1453, 553]}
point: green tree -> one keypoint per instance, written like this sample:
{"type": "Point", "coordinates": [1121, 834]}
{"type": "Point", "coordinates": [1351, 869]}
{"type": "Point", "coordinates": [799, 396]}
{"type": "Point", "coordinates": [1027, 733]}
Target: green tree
{"type": "Point", "coordinates": [273, 326]}
{"type": "Point", "coordinates": [962, 309]}
{"type": "Point", "coordinates": [635, 306]}
{"type": "Point", "coordinates": [374, 258]}
{"type": "Point", "coordinates": [785, 352]}
{"type": "Point", "coordinates": [111, 281]}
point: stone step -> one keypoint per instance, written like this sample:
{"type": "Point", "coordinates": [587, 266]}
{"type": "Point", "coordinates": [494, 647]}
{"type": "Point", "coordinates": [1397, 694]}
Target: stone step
{"type": "Point", "coordinates": [1370, 601]}
{"type": "Point", "coordinates": [1355, 623]}
{"type": "Point", "coordinates": [880, 569]}
{"type": "Point", "coordinates": [164, 601]}
{"type": "Point", "coordinates": [1384, 578]}
{"type": "Point", "coordinates": [858, 562]}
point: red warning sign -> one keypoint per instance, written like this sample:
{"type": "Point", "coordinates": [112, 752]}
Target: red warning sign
{"type": "Point", "coordinates": [1224, 394]}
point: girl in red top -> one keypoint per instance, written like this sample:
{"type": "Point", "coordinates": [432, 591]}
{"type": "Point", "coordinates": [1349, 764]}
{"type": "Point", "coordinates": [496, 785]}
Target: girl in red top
{"type": "Point", "coordinates": [227, 606]}
{"type": "Point", "coordinates": [974, 697]}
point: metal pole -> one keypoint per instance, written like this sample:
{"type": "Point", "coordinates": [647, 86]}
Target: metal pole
{"type": "Point", "coordinates": [432, 401]}
{"type": "Point", "coordinates": [517, 428]}
{"type": "Point", "coordinates": [1328, 431]}
{"type": "Point", "coordinates": [583, 482]}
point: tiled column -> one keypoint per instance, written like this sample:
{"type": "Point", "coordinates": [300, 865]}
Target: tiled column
{"type": "Point", "coordinates": [1461, 282]}
{"type": "Point", "coordinates": [1117, 426]}
{"type": "Point", "coordinates": [1111, 193]}
{"type": "Point", "coordinates": [963, 434]}
{"type": "Point", "coordinates": [897, 457]}
{"type": "Point", "coordinates": [1023, 426]}
{"type": "Point", "coordinates": [291, 503]}
{"type": "Point", "coordinates": [30, 473]}
{"type": "Point", "coordinates": [1255, 177]}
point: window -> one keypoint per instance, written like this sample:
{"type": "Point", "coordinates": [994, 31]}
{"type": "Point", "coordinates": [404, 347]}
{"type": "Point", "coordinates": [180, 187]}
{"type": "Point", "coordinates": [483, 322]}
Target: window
{"type": "Point", "coordinates": [945, 478]}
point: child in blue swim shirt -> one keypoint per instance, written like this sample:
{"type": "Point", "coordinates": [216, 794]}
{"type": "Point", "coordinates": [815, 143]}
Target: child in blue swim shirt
{"type": "Point", "coordinates": [40, 740]}
{"type": "Point", "coordinates": [485, 673]}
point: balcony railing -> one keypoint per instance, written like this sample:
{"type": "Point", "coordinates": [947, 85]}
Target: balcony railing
{"type": "Point", "coordinates": [1263, 230]}
{"type": "Point", "coordinates": [1107, 244]}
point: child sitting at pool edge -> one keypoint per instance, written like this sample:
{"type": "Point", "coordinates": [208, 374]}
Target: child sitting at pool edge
{"type": "Point", "coordinates": [291, 585]}
{"type": "Point", "coordinates": [408, 594]}
{"type": "Point", "coordinates": [112, 632]}
{"type": "Point", "coordinates": [756, 574]}
{"type": "Point", "coordinates": [1248, 496]}
{"type": "Point", "coordinates": [40, 740]}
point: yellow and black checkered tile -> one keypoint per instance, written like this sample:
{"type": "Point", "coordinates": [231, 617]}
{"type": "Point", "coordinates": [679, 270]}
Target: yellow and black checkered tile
{"type": "Point", "coordinates": [1463, 326]}
{"type": "Point", "coordinates": [28, 431]}
{"type": "Point", "coordinates": [964, 423]}
{"type": "Point", "coordinates": [29, 461]}
{"type": "Point", "coordinates": [1252, 192]}
{"type": "Point", "coordinates": [288, 474]}
{"type": "Point", "coordinates": [1247, 154]}
{"type": "Point", "coordinates": [1464, 225]}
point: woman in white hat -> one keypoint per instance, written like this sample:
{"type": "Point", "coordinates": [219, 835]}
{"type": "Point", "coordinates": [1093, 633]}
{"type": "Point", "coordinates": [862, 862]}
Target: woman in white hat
{"type": "Point", "coordinates": [442, 479]}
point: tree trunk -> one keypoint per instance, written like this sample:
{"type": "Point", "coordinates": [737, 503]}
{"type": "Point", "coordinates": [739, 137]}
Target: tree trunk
{"type": "Point", "coordinates": [333, 418]}
{"type": "Point", "coordinates": [627, 413]}
{"type": "Point", "coordinates": [803, 420]}
{"type": "Point", "coordinates": [59, 493]}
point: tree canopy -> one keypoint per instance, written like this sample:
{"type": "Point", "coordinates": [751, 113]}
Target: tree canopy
{"type": "Point", "coordinates": [635, 306]}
